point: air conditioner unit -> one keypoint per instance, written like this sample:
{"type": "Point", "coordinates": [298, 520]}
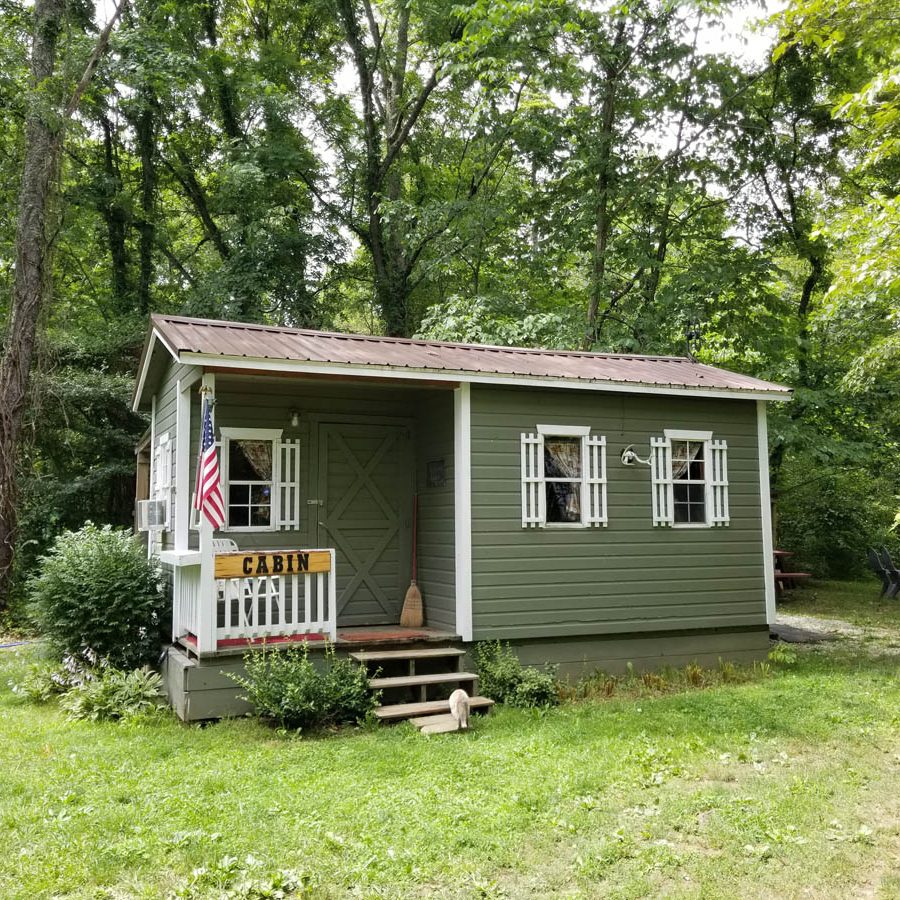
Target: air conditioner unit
{"type": "Point", "coordinates": [151, 515]}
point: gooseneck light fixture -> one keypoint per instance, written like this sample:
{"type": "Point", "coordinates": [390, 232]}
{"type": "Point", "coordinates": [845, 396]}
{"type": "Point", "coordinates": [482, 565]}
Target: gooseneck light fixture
{"type": "Point", "coordinates": [629, 457]}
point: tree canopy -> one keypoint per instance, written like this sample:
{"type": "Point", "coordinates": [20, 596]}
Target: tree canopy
{"type": "Point", "coordinates": [553, 173]}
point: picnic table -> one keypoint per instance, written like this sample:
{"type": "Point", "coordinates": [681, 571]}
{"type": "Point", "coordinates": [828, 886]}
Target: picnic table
{"type": "Point", "coordinates": [786, 580]}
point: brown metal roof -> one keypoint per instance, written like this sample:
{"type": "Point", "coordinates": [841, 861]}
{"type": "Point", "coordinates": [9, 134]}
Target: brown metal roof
{"type": "Point", "coordinates": [237, 340]}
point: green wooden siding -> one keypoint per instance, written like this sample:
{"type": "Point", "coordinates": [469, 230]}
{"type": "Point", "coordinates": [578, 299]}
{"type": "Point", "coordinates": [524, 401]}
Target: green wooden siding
{"type": "Point", "coordinates": [437, 561]}
{"type": "Point", "coordinates": [628, 576]}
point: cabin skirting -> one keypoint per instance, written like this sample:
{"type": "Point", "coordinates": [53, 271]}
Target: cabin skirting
{"type": "Point", "coordinates": [201, 689]}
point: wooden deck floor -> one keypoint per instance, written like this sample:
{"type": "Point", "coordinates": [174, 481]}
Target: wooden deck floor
{"type": "Point", "coordinates": [357, 636]}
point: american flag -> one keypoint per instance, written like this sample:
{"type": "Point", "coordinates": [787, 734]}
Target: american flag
{"type": "Point", "coordinates": [208, 496]}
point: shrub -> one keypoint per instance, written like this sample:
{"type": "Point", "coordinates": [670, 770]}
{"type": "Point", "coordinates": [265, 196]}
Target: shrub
{"type": "Point", "coordinates": [503, 677]}
{"type": "Point", "coordinates": [113, 694]}
{"type": "Point", "coordinates": [96, 589]}
{"type": "Point", "coordinates": [285, 686]}
{"type": "Point", "coordinates": [536, 688]}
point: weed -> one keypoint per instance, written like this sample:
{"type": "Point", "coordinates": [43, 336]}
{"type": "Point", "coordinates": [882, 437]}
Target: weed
{"type": "Point", "coordinates": [694, 675]}
{"type": "Point", "coordinates": [729, 672]}
{"type": "Point", "coordinates": [783, 655]}
{"type": "Point", "coordinates": [654, 681]}
{"type": "Point", "coordinates": [231, 879]}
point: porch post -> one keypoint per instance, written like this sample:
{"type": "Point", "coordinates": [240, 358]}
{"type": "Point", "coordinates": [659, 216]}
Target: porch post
{"type": "Point", "coordinates": [206, 611]}
{"type": "Point", "coordinates": [462, 506]}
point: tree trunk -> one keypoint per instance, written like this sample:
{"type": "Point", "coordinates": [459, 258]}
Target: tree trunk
{"type": "Point", "coordinates": [44, 127]}
{"type": "Point", "coordinates": [146, 134]}
{"type": "Point", "coordinates": [114, 215]}
{"type": "Point", "coordinates": [32, 270]}
{"type": "Point", "coordinates": [603, 220]}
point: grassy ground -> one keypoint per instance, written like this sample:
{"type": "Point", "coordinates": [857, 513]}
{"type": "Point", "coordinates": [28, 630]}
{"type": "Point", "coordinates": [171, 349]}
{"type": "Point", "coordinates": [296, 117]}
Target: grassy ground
{"type": "Point", "coordinates": [856, 602]}
{"type": "Point", "coordinates": [785, 785]}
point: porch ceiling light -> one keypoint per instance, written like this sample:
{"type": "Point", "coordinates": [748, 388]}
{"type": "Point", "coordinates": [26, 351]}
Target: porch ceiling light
{"type": "Point", "coordinates": [295, 418]}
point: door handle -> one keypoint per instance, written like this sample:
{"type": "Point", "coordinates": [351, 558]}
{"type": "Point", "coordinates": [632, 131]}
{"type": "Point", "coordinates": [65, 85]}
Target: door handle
{"type": "Point", "coordinates": [315, 502]}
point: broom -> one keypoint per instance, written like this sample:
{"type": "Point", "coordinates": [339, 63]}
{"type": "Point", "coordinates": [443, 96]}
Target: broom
{"type": "Point", "coordinates": [411, 614]}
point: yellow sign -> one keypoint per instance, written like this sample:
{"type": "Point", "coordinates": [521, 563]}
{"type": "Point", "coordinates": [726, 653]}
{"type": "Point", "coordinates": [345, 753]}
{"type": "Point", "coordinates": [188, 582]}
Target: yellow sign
{"type": "Point", "coordinates": [272, 562]}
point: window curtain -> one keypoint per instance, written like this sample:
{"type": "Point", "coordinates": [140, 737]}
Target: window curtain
{"type": "Point", "coordinates": [562, 458]}
{"type": "Point", "coordinates": [685, 452]}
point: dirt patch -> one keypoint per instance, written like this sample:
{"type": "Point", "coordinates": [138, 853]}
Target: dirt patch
{"type": "Point", "coordinates": [882, 641]}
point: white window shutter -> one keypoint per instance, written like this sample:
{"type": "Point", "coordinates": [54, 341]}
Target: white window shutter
{"type": "Point", "coordinates": [661, 481]}
{"type": "Point", "coordinates": [156, 471]}
{"type": "Point", "coordinates": [595, 464]}
{"type": "Point", "coordinates": [287, 485]}
{"type": "Point", "coordinates": [532, 478]}
{"type": "Point", "coordinates": [718, 482]}
{"type": "Point", "coordinates": [169, 495]}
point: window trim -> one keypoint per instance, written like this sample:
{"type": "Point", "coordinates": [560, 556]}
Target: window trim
{"type": "Point", "coordinates": [579, 431]}
{"type": "Point", "coordinates": [684, 434]}
{"type": "Point", "coordinates": [232, 433]}
{"type": "Point", "coordinates": [160, 460]}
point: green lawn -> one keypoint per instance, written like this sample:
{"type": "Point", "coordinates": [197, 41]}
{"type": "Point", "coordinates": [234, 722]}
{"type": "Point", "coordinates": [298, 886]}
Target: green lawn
{"type": "Point", "coordinates": [785, 785]}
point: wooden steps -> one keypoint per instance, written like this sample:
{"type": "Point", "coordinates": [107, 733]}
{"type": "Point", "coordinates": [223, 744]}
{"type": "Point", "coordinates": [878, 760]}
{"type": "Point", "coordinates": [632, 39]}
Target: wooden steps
{"type": "Point", "coordinates": [380, 684]}
{"type": "Point", "coordinates": [398, 711]}
{"type": "Point", "coordinates": [436, 724]}
{"type": "Point", "coordinates": [387, 655]}
{"type": "Point", "coordinates": [430, 676]}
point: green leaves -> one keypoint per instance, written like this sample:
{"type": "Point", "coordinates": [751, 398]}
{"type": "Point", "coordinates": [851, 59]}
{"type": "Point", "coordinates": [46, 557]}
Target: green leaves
{"type": "Point", "coordinates": [96, 590]}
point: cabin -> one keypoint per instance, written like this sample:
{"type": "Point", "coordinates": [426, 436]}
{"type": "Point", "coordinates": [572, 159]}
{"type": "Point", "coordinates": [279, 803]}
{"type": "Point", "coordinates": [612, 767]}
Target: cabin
{"type": "Point", "coordinates": [592, 509]}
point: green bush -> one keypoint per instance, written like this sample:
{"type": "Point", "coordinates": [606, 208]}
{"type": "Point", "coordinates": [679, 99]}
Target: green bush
{"type": "Point", "coordinates": [285, 687]}
{"type": "Point", "coordinates": [536, 688]}
{"type": "Point", "coordinates": [113, 694]}
{"type": "Point", "coordinates": [96, 589]}
{"type": "Point", "coordinates": [503, 678]}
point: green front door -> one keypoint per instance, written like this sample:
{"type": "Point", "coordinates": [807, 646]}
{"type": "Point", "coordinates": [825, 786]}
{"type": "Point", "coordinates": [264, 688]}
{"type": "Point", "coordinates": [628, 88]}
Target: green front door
{"type": "Point", "coordinates": [366, 475]}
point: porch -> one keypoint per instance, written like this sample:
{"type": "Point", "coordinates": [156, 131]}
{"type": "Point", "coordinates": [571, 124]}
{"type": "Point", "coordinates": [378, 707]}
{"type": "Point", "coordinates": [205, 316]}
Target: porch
{"type": "Point", "coordinates": [314, 462]}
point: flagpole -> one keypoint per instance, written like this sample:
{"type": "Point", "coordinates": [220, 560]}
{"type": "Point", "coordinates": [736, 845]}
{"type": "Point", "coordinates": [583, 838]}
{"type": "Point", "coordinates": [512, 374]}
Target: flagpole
{"type": "Point", "coordinates": [206, 625]}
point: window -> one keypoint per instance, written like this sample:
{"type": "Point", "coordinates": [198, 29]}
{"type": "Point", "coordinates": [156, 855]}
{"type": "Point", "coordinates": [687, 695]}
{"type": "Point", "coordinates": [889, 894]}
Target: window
{"type": "Point", "coordinates": [689, 482]}
{"type": "Point", "coordinates": [162, 476]}
{"type": "Point", "coordinates": [563, 477]}
{"type": "Point", "coordinates": [250, 478]}
{"type": "Point", "coordinates": [689, 475]}
{"type": "Point", "coordinates": [249, 484]}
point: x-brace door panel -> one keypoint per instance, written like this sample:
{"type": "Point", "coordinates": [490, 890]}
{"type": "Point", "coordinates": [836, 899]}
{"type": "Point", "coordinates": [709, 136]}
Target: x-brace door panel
{"type": "Point", "coordinates": [366, 477]}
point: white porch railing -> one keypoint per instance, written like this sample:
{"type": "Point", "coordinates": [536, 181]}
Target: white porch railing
{"type": "Point", "coordinates": [186, 600]}
{"type": "Point", "coordinates": [256, 595]}
{"type": "Point", "coordinates": [276, 605]}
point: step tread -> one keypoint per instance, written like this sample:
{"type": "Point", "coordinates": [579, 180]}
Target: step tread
{"type": "Point", "coordinates": [430, 707]}
{"type": "Point", "coordinates": [416, 680]}
{"type": "Point", "coordinates": [428, 653]}
{"type": "Point", "coordinates": [437, 719]}
{"type": "Point", "coordinates": [440, 727]}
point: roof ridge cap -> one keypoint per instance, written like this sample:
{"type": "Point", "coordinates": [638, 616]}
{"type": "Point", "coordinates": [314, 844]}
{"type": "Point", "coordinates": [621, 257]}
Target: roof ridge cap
{"type": "Point", "coordinates": [419, 342]}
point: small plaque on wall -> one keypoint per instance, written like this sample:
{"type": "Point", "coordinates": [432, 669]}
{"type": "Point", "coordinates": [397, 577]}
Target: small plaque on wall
{"type": "Point", "coordinates": [436, 473]}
